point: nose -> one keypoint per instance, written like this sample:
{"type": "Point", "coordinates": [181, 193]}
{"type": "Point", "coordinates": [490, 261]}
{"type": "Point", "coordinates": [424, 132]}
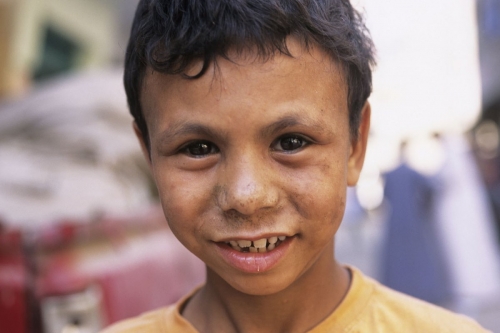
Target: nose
{"type": "Point", "coordinates": [247, 186]}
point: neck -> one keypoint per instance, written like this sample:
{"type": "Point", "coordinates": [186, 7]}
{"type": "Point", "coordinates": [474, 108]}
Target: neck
{"type": "Point", "coordinates": [219, 307]}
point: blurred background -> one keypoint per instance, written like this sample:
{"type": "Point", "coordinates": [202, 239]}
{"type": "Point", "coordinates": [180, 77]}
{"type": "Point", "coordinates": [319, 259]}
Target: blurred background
{"type": "Point", "coordinates": [83, 242]}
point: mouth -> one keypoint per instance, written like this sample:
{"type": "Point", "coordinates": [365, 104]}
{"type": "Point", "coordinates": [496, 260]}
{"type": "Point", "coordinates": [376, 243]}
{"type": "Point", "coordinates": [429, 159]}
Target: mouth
{"type": "Point", "coordinates": [255, 256]}
{"type": "Point", "coordinates": [257, 246]}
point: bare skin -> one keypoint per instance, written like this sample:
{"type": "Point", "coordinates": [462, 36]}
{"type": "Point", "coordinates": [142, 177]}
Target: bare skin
{"type": "Point", "coordinates": [296, 309]}
{"type": "Point", "coordinates": [257, 150]}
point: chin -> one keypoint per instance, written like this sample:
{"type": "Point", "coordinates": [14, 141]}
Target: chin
{"type": "Point", "coordinates": [261, 285]}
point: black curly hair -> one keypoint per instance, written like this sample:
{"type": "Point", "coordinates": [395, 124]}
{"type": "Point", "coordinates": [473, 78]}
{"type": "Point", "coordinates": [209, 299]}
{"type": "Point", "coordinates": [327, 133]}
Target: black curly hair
{"type": "Point", "coordinates": [168, 35]}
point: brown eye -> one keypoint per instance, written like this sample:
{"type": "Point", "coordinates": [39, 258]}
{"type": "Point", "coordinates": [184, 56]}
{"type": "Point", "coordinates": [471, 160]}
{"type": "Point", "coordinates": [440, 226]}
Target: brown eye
{"type": "Point", "coordinates": [289, 143]}
{"type": "Point", "coordinates": [200, 148]}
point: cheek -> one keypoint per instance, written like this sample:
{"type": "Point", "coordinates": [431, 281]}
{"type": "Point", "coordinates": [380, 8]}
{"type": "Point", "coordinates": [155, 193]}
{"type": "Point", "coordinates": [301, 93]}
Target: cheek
{"type": "Point", "coordinates": [320, 192]}
{"type": "Point", "coordinates": [183, 201]}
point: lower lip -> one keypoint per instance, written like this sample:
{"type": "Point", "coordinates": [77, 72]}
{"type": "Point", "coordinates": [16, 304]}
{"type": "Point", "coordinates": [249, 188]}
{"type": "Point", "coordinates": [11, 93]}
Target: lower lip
{"type": "Point", "coordinates": [249, 262]}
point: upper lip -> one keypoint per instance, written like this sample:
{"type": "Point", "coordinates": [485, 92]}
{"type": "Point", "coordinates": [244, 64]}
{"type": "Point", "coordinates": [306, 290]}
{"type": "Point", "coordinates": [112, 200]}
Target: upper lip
{"type": "Point", "coordinates": [252, 237]}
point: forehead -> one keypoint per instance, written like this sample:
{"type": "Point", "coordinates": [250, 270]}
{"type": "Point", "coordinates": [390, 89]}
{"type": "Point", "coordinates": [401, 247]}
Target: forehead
{"type": "Point", "coordinates": [247, 81]}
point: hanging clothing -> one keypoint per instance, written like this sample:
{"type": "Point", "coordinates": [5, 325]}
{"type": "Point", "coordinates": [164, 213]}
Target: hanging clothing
{"type": "Point", "coordinates": [465, 218]}
{"type": "Point", "coordinates": [412, 258]}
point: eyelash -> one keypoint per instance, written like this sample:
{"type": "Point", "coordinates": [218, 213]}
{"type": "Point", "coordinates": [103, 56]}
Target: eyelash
{"type": "Point", "coordinates": [213, 149]}
{"type": "Point", "coordinates": [303, 143]}
{"type": "Point", "coordinates": [192, 145]}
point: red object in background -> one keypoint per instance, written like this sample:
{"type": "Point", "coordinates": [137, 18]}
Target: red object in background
{"type": "Point", "coordinates": [12, 283]}
{"type": "Point", "coordinates": [92, 273]}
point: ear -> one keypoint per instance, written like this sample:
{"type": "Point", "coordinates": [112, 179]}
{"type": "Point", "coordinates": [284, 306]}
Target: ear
{"type": "Point", "coordinates": [358, 147]}
{"type": "Point", "coordinates": [144, 148]}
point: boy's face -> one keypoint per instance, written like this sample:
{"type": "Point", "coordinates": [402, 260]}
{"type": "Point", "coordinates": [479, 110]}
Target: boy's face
{"type": "Point", "coordinates": [255, 150]}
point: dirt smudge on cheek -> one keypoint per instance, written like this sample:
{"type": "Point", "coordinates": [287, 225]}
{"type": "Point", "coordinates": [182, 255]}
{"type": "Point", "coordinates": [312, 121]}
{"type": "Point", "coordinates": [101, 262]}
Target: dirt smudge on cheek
{"type": "Point", "coordinates": [320, 195]}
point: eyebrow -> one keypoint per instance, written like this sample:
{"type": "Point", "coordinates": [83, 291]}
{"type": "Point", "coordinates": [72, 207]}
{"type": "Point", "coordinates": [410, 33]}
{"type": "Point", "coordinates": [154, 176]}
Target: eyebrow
{"type": "Point", "coordinates": [291, 121]}
{"type": "Point", "coordinates": [192, 128]}
{"type": "Point", "coordinates": [186, 129]}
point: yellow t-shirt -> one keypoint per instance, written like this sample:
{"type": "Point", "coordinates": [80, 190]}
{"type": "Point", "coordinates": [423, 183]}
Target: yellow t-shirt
{"type": "Point", "coordinates": [367, 307]}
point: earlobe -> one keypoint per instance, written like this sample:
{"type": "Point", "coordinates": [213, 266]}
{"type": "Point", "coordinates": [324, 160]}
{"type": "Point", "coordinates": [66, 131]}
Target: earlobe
{"type": "Point", "coordinates": [358, 147]}
{"type": "Point", "coordinates": [144, 148]}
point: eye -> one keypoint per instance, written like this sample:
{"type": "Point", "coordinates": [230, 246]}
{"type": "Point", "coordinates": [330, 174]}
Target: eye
{"type": "Point", "coordinates": [289, 143]}
{"type": "Point", "coordinates": [199, 149]}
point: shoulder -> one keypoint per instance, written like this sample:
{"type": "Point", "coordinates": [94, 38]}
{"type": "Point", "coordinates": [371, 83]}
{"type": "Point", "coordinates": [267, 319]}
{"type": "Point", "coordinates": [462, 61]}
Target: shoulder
{"type": "Point", "coordinates": [399, 311]}
{"type": "Point", "coordinates": [149, 322]}
{"type": "Point", "coordinates": [371, 307]}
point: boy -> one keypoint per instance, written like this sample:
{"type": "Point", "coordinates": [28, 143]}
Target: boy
{"type": "Point", "coordinates": [253, 116]}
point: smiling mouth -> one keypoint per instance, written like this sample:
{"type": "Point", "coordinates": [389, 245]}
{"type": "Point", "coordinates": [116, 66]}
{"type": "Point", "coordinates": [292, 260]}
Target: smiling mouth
{"type": "Point", "coordinates": [261, 245]}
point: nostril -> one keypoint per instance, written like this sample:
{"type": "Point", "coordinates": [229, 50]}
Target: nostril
{"type": "Point", "coordinates": [236, 216]}
{"type": "Point", "coordinates": [248, 203]}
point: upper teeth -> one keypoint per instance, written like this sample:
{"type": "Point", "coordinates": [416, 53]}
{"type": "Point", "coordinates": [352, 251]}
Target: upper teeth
{"type": "Point", "coordinates": [260, 243]}
{"type": "Point", "coordinates": [244, 243]}
{"type": "Point", "coordinates": [257, 245]}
